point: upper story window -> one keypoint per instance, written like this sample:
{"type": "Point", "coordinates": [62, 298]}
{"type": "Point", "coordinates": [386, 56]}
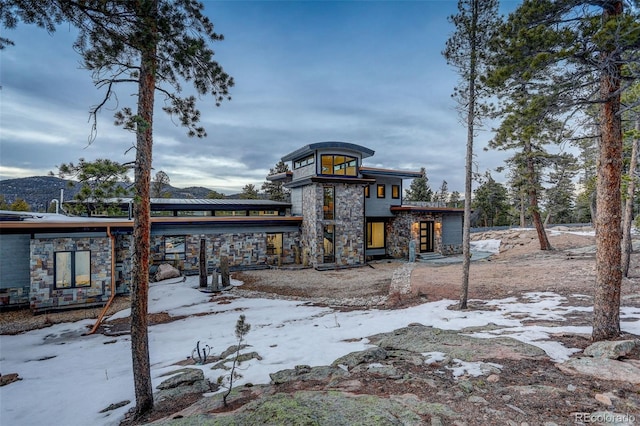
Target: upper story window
{"type": "Point", "coordinates": [381, 191]}
{"type": "Point", "coordinates": [304, 161]}
{"type": "Point", "coordinates": [395, 191]}
{"type": "Point", "coordinates": [340, 165]}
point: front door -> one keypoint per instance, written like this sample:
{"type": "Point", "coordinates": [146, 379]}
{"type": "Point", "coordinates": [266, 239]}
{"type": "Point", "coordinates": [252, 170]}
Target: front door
{"type": "Point", "coordinates": [426, 236]}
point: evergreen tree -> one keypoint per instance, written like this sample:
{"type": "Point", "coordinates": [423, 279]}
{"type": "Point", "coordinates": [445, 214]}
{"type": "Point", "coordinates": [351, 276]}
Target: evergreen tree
{"type": "Point", "coordinates": [214, 195]}
{"type": "Point", "coordinates": [249, 192]}
{"type": "Point", "coordinates": [276, 190]}
{"type": "Point", "coordinates": [154, 45]}
{"type": "Point", "coordinates": [575, 54]}
{"type": "Point", "coordinates": [419, 189]}
{"type": "Point", "coordinates": [467, 50]}
{"type": "Point", "coordinates": [101, 181]}
{"type": "Point", "coordinates": [442, 196]}
{"type": "Point", "coordinates": [160, 180]}
{"type": "Point", "coordinates": [560, 195]}
{"type": "Point", "coordinates": [20, 205]}
{"type": "Point", "coordinates": [454, 199]}
{"type": "Point", "coordinates": [490, 203]}
{"type": "Point", "coordinates": [3, 203]}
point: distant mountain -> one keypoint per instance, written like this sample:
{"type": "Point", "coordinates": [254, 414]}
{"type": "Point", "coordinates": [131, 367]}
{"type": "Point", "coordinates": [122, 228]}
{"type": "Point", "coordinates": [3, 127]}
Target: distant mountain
{"type": "Point", "coordinates": [39, 191]}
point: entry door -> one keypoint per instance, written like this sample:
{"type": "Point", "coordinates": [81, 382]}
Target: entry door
{"type": "Point", "coordinates": [426, 236]}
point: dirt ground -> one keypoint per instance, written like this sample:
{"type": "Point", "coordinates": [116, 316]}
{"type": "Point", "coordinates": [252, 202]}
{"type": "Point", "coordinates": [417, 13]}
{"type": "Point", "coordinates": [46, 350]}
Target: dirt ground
{"type": "Point", "coordinates": [520, 267]}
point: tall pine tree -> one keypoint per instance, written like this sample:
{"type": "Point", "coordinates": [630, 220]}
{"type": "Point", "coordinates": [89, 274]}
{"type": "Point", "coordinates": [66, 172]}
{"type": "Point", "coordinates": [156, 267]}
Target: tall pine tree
{"type": "Point", "coordinates": [577, 54]}
{"type": "Point", "coordinates": [154, 46]}
{"type": "Point", "coordinates": [467, 51]}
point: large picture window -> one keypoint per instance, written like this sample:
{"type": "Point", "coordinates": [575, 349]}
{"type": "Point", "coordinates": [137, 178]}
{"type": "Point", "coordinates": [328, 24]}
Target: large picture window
{"type": "Point", "coordinates": [340, 165]}
{"type": "Point", "coordinates": [328, 205]}
{"type": "Point", "coordinates": [274, 244]}
{"type": "Point", "coordinates": [375, 235]}
{"type": "Point", "coordinates": [174, 247]}
{"type": "Point", "coordinates": [72, 269]}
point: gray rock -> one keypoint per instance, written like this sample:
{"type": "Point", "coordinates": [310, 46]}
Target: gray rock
{"type": "Point", "coordinates": [306, 373]}
{"type": "Point", "coordinates": [602, 368]}
{"type": "Point", "coordinates": [187, 381]}
{"type": "Point", "coordinates": [184, 377]}
{"type": "Point", "coordinates": [311, 408]}
{"type": "Point", "coordinates": [611, 349]}
{"type": "Point", "coordinates": [362, 357]}
{"type": "Point", "coordinates": [421, 339]}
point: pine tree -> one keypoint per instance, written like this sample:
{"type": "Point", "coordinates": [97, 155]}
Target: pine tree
{"type": "Point", "coordinates": [578, 54]}
{"type": "Point", "coordinates": [100, 181]}
{"type": "Point", "coordinates": [249, 192]}
{"type": "Point", "coordinates": [156, 46]}
{"type": "Point", "coordinates": [276, 190]}
{"type": "Point", "coordinates": [467, 51]}
{"type": "Point", "coordinates": [419, 189]}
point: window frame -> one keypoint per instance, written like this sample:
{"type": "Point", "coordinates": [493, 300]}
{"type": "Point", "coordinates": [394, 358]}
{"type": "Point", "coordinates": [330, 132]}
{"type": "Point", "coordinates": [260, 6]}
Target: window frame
{"type": "Point", "coordinates": [73, 260]}
{"type": "Point", "coordinates": [305, 161]}
{"type": "Point", "coordinates": [174, 254]}
{"type": "Point", "coordinates": [328, 209]}
{"type": "Point", "coordinates": [379, 193]}
{"type": "Point", "coordinates": [275, 249]}
{"type": "Point", "coordinates": [370, 234]}
{"type": "Point", "coordinates": [395, 192]}
{"type": "Point", "coordinates": [367, 191]}
{"type": "Point", "coordinates": [346, 165]}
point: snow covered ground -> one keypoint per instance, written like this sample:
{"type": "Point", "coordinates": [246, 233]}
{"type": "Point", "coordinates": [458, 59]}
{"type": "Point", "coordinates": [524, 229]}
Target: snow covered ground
{"type": "Point", "coordinates": [69, 377]}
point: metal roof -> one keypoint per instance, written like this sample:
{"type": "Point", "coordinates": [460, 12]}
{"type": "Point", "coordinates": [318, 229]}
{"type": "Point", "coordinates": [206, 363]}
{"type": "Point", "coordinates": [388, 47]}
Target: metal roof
{"type": "Point", "coordinates": [372, 171]}
{"type": "Point", "coordinates": [312, 147]}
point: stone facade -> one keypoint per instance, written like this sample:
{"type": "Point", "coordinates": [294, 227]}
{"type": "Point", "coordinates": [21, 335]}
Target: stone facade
{"type": "Point", "coordinates": [348, 224]}
{"type": "Point", "coordinates": [404, 228]}
{"type": "Point", "coordinates": [44, 294]}
{"type": "Point", "coordinates": [241, 249]}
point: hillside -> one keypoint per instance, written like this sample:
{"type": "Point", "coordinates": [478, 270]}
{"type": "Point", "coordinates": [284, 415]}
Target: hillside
{"type": "Point", "coordinates": [38, 191]}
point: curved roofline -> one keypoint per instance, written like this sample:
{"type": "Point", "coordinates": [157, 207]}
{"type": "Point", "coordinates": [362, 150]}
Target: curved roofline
{"type": "Point", "coordinates": [312, 147]}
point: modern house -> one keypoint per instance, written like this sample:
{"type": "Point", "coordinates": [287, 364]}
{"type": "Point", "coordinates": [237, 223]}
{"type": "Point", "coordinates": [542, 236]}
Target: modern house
{"type": "Point", "coordinates": [341, 214]}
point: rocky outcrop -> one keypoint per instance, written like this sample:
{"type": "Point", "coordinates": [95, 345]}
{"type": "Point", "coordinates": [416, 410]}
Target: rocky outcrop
{"type": "Point", "coordinates": [184, 381]}
{"type": "Point", "coordinates": [420, 339]}
{"type": "Point", "coordinates": [602, 361]}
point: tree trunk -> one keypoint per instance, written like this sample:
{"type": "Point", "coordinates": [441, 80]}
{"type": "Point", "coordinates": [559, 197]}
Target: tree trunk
{"type": "Point", "coordinates": [532, 184]}
{"type": "Point", "coordinates": [606, 307]}
{"type": "Point", "coordinates": [202, 262]}
{"type": "Point", "coordinates": [627, 246]}
{"type": "Point", "coordinates": [523, 221]}
{"type": "Point", "coordinates": [142, 222]}
{"type": "Point", "coordinates": [466, 222]}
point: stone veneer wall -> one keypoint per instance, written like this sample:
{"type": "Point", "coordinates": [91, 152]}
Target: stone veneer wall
{"type": "Point", "coordinates": [348, 221]}
{"type": "Point", "coordinates": [401, 230]}
{"type": "Point", "coordinates": [242, 249]}
{"type": "Point", "coordinates": [44, 295]}
{"type": "Point", "coordinates": [124, 263]}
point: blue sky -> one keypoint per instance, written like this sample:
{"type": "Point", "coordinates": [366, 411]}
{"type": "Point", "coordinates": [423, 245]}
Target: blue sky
{"type": "Point", "coordinates": [364, 72]}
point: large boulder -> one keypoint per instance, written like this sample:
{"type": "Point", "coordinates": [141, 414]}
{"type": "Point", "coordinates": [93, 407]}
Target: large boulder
{"type": "Point", "coordinates": [611, 349]}
{"type": "Point", "coordinates": [166, 271]}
